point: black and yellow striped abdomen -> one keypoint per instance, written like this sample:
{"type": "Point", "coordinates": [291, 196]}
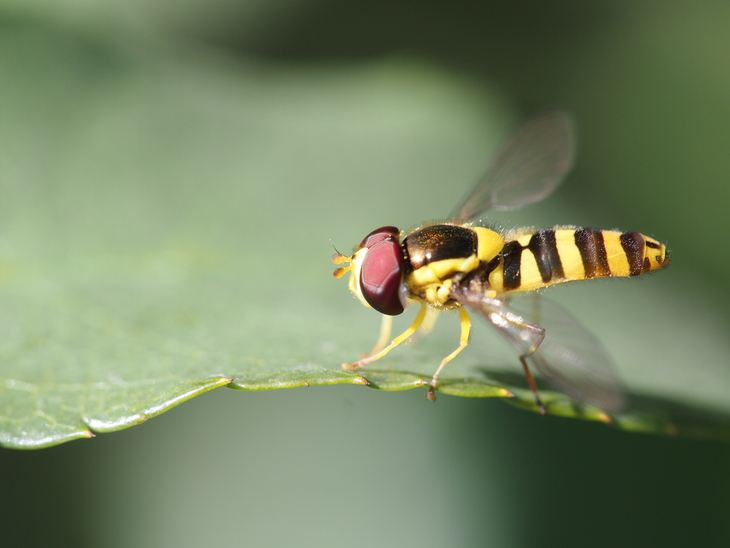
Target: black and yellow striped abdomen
{"type": "Point", "coordinates": [552, 256]}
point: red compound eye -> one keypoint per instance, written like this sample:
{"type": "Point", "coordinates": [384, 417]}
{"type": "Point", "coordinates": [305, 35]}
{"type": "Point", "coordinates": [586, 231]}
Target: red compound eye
{"type": "Point", "coordinates": [382, 271]}
{"type": "Point", "coordinates": [378, 235]}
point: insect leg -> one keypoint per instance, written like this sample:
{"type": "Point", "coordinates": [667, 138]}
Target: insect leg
{"type": "Point", "coordinates": [463, 341]}
{"type": "Point", "coordinates": [395, 342]}
{"type": "Point", "coordinates": [530, 378]}
{"type": "Point", "coordinates": [386, 326]}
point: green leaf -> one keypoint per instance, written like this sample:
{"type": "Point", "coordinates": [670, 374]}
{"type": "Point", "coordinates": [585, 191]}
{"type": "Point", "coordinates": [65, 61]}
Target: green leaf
{"type": "Point", "coordinates": [165, 229]}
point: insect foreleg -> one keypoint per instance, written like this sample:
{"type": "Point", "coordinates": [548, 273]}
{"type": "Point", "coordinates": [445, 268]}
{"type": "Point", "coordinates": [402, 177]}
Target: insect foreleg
{"type": "Point", "coordinates": [386, 326]}
{"type": "Point", "coordinates": [395, 342]}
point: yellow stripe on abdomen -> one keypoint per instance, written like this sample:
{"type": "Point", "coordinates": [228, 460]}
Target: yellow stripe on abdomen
{"type": "Point", "coordinates": [617, 259]}
{"type": "Point", "coordinates": [530, 277]}
{"type": "Point", "coordinates": [569, 255]}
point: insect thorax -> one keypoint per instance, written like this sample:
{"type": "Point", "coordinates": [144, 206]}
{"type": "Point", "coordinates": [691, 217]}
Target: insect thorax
{"type": "Point", "coordinates": [443, 255]}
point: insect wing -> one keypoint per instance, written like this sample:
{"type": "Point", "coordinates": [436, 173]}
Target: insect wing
{"type": "Point", "coordinates": [570, 357]}
{"type": "Point", "coordinates": [527, 169]}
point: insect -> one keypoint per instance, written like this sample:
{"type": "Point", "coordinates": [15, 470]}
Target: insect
{"type": "Point", "coordinates": [463, 266]}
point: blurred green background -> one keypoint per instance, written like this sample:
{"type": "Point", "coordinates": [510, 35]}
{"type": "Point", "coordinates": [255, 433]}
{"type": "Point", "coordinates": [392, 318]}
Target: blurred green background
{"type": "Point", "coordinates": [276, 126]}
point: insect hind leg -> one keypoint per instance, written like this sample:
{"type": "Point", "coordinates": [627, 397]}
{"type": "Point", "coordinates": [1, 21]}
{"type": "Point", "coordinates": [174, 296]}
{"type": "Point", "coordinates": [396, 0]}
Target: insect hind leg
{"type": "Point", "coordinates": [528, 374]}
{"type": "Point", "coordinates": [533, 385]}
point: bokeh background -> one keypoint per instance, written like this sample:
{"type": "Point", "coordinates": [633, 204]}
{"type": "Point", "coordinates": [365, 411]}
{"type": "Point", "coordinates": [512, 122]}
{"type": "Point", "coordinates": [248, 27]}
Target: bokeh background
{"type": "Point", "coordinates": [337, 118]}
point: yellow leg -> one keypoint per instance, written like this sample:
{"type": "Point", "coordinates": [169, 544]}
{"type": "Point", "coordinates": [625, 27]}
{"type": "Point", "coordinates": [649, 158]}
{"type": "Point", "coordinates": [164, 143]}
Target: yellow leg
{"type": "Point", "coordinates": [463, 341]}
{"type": "Point", "coordinates": [432, 314]}
{"type": "Point", "coordinates": [386, 326]}
{"type": "Point", "coordinates": [395, 342]}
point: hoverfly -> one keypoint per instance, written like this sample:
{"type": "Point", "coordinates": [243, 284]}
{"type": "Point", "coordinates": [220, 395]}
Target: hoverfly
{"type": "Point", "coordinates": [460, 265]}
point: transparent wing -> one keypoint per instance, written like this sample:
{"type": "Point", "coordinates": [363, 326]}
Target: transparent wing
{"type": "Point", "coordinates": [527, 169]}
{"type": "Point", "coordinates": [570, 357]}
